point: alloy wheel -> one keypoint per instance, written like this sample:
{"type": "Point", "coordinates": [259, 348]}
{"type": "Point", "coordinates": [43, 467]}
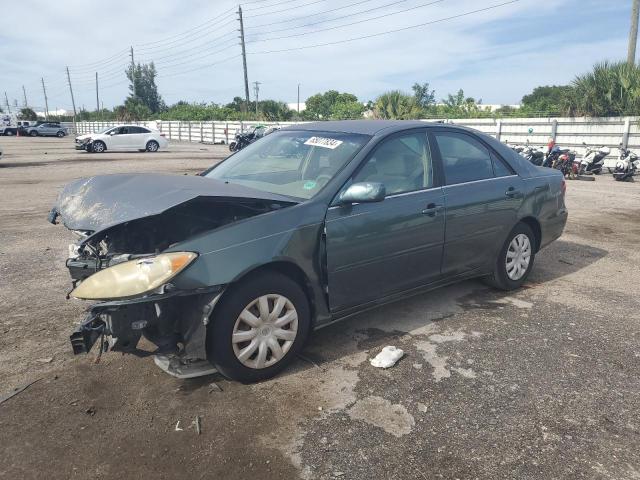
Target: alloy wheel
{"type": "Point", "coordinates": [265, 331]}
{"type": "Point", "coordinates": [518, 256]}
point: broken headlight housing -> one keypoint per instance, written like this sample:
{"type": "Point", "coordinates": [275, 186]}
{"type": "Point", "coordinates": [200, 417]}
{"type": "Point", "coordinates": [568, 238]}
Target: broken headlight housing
{"type": "Point", "coordinates": [133, 278]}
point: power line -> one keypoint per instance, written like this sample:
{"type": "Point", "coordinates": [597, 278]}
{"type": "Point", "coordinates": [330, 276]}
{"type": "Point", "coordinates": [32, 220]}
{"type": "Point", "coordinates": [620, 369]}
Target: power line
{"type": "Point", "coordinates": [324, 12]}
{"type": "Point", "coordinates": [349, 24]}
{"type": "Point", "coordinates": [386, 32]}
{"type": "Point", "coordinates": [191, 36]}
{"type": "Point", "coordinates": [286, 9]}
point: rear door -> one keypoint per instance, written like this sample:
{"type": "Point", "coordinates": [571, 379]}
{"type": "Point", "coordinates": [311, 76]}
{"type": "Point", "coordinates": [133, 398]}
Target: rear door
{"type": "Point", "coordinates": [377, 249]}
{"type": "Point", "coordinates": [482, 195]}
{"type": "Point", "coordinates": [138, 137]}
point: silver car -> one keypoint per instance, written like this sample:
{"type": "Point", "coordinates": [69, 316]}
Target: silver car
{"type": "Point", "coordinates": [47, 130]}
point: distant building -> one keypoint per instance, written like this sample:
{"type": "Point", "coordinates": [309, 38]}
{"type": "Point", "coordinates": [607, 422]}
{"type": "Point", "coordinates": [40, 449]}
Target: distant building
{"type": "Point", "coordinates": [61, 112]}
{"type": "Point", "coordinates": [294, 106]}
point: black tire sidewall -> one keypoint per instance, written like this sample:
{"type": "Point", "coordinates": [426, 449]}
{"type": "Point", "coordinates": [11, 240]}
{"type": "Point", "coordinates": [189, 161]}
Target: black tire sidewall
{"type": "Point", "coordinates": [502, 280]}
{"type": "Point", "coordinates": [219, 347]}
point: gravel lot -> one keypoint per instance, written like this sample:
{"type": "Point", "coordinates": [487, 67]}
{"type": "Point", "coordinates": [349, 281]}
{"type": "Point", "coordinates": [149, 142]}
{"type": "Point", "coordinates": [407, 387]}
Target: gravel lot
{"type": "Point", "coordinates": [541, 383]}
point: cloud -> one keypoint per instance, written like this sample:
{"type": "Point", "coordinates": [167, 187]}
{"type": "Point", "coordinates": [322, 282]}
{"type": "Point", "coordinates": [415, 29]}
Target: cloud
{"type": "Point", "coordinates": [498, 55]}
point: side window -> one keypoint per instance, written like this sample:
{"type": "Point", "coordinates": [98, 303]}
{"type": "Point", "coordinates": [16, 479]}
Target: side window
{"type": "Point", "coordinates": [138, 130]}
{"type": "Point", "coordinates": [402, 164]}
{"type": "Point", "coordinates": [464, 159]}
{"type": "Point", "coordinates": [499, 168]}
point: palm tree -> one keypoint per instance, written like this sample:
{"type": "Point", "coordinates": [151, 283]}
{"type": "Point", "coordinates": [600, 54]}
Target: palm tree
{"type": "Point", "coordinates": [396, 105]}
{"type": "Point", "coordinates": [611, 89]}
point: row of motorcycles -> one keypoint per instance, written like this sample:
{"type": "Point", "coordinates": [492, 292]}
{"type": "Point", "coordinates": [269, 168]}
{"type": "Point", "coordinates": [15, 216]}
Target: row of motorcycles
{"type": "Point", "coordinates": [591, 163]}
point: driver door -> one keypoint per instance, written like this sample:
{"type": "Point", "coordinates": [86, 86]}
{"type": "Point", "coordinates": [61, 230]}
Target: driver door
{"type": "Point", "coordinates": [118, 139]}
{"type": "Point", "coordinates": [377, 249]}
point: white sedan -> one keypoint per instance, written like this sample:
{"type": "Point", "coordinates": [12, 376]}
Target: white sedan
{"type": "Point", "coordinates": [122, 138]}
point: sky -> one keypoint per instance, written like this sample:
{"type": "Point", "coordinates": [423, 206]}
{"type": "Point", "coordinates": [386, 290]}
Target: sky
{"type": "Point", "coordinates": [496, 55]}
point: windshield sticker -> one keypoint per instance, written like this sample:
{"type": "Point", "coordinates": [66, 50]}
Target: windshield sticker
{"type": "Point", "coordinates": [309, 185]}
{"type": "Point", "coordinates": [324, 142]}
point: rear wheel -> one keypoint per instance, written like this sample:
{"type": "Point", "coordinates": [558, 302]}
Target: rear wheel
{"type": "Point", "coordinates": [152, 146]}
{"type": "Point", "coordinates": [258, 327]}
{"type": "Point", "coordinates": [60, 134]}
{"type": "Point", "coordinates": [98, 147]}
{"type": "Point", "coordinates": [515, 260]}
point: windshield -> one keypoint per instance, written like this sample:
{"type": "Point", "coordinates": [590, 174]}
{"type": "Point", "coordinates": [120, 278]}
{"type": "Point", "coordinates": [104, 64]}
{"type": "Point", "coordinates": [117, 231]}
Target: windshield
{"type": "Point", "coordinates": [293, 163]}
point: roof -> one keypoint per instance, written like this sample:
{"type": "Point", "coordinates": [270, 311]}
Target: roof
{"type": "Point", "coordinates": [365, 127]}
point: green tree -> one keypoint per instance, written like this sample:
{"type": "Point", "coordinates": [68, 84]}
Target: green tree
{"type": "Point", "coordinates": [460, 106]}
{"type": "Point", "coordinates": [27, 113]}
{"type": "Point", "coordinates": [142, 87]}
{"type": "Point", "coordinates": [425, 97]}
{"type": "Point", "coordinates": [611, 89]}
{"type": "Point", "coordinates": [333, 105]}
{"type": "Point", "coordinates": [274, 111]}
{"type": "Point", "coordinates": [397, 105]}
{"type": "Point", "coordinates": [548, 99]}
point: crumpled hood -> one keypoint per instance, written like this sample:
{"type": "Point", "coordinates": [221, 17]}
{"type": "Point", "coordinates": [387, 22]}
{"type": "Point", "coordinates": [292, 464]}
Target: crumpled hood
{"type": "Point", "coordinates": [85, 136]}
{"type": "Point", "coordinates": [96, 203]}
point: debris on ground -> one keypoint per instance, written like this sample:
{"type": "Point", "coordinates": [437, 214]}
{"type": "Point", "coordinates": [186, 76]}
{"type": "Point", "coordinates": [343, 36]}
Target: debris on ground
{"type": "Point", "coordinates": [16, 391]}
{"type": "Point", "coordinates": [45, 360]}
{"type": "Point", "coordinates": [214, 387]}
{"type": "Point", "coordinates": [90, 411]}
{"type": "Point", "coordinates": [388, 357]}
{"type": "Point", "coordinates": [178, 429]}
{"type": "Point", "coordinates": [197, 424]}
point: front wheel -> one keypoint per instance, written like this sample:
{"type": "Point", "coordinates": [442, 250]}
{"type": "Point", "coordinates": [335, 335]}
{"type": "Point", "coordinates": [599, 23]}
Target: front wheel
{"type": "Point", "coordinates": [515, 260]}
{"type": "Point", "coordinates": [98, 147]}
{"type": "Point", "coordinates": [152, 146]}
{"type": "Point", "coordinates": [258, 327]}
{"type": "Point", "coordinates": [232, 147]}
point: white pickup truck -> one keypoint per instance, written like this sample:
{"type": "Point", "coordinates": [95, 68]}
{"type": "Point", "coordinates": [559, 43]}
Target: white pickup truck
{"type": "Point", "coordinates": [9, 124]}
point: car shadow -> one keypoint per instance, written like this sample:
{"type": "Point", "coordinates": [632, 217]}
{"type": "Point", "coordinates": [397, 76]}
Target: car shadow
{"type": "Point", "coordinates": [381, 326]}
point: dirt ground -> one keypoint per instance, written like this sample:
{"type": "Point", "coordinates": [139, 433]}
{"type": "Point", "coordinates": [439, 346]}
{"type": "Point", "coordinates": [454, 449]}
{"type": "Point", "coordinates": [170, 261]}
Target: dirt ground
{"type": "Point", "coordinates": [541, 383]}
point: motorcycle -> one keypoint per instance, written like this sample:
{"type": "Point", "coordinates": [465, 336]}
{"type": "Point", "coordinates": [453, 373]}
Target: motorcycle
{"type": "Point", "coordinates": [626, 166]}
{"type": "Point", "coordinates": [593, 160]}
{"type": "Point", "coordinates": [552, 156]}
{"type": "Point", "coordinates": [242, 139]}
{"type": "Point", "coordinates": [565, 162]}
{"type": "Point", "coordinates": [533, 155]}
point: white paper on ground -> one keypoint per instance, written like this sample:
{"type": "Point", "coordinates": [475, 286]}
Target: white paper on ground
{"type": "Point", "coordinates": [387, 357]}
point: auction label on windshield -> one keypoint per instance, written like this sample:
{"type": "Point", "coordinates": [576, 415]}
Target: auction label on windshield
{"type": "Point", "coordinates": [331, 143]}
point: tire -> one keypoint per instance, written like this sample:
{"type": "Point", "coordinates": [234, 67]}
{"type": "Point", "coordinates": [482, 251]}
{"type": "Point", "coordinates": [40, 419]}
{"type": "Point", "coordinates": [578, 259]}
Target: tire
{"type": "Point", "coordinates": [33, 133]}
{"type": "Point", "coordinates": [98, 147]}
{"type": "Point", "coordinates": [60, 134]}
{"type": "Point", "coordinates": [152, 146]}
{"type": "Point", "coordinates": [244, 299]}
{"type": "Point", "coordinates": [507, 279]}
{"type": "Point", "coordinates": [8, 133]}
{"type": "Point", "coordinates": [232, 147]}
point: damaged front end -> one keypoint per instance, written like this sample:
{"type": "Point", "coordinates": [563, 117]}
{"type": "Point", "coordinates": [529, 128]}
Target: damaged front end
{"type": "Point", "coordinates": [127, 262]}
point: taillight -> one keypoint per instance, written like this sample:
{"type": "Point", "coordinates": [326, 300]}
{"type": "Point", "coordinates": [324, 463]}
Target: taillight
{"type": "Point", "coordinates": [563, 187]}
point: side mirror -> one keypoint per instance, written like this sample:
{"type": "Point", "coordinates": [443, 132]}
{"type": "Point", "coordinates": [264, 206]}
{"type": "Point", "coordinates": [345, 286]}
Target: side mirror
{"type": "Point", "coordinates": [363, 192]}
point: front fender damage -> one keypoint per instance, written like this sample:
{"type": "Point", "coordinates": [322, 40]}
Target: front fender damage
{"type": "Point", "coordinates": [175, 323]}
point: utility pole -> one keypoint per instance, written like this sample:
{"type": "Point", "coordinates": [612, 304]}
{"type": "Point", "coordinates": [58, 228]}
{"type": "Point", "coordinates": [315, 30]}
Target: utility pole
{"type": "Point", "coordinates": [256, 88]}
{"type": "Point", "coordinates": [298, 99]}
{"type": "Point", "coordinates": [46, 101]}
{"type": "Point", "coordinates": [97, 95]}
{"type": "Point", "coordinates": [244, 59]}
{"type": "Point", "coordinates": [633, 33]}
{"type": "Point", "coordinates": [133, 73]}
{"type": "Point", "coordinates": [24, 96]}
{"type": "Point", "coordinates": [73, 100]}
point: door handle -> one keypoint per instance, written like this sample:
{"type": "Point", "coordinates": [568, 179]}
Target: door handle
{"type": "Point", "coordinates": [432, 209]}
{"type": "Point", "coordinates": [513, 193]}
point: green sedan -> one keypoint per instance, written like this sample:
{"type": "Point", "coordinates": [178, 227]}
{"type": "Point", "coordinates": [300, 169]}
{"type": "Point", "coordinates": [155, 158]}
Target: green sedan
{"type": "Point", "coordinates": [233, 269]}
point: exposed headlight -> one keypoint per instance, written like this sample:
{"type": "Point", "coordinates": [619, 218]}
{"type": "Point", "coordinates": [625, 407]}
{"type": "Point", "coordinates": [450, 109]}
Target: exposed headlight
{"type": "Point", "coordinates": [133, 278]}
